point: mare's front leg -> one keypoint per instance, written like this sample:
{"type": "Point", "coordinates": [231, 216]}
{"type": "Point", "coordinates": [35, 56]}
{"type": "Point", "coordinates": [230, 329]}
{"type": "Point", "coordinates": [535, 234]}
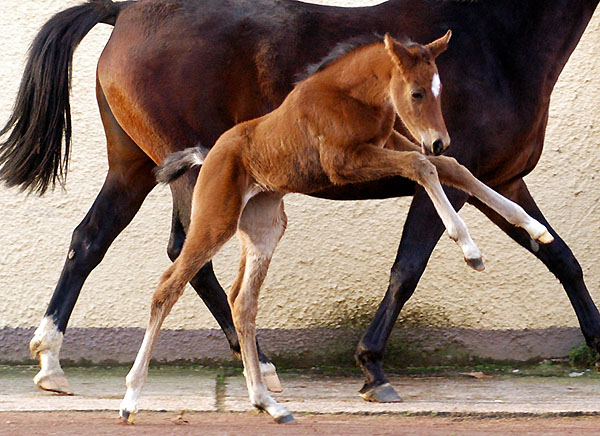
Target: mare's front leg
{"type": "Point", "coordinates": [205, 282]}
{"type": "Point", "coordinates": [261, 226]}
{"type": "Point", "coordinates": [557, 257]}
{"type": "Point", "coordinates": [422, 230]}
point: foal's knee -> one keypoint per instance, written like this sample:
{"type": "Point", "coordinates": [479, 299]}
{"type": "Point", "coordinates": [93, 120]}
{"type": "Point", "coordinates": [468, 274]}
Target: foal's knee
{"type": "Point", "coordinates": [422, 167]}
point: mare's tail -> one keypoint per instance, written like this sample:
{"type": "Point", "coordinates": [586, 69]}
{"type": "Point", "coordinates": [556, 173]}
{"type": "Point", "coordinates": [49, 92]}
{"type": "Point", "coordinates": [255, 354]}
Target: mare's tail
{"type": "Point", "coordinates": [32, 156]}
{"type": "Point", "coordinates": [178, 163]}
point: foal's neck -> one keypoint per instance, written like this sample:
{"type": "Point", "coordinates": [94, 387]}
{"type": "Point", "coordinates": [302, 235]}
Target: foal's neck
{"type": "Point", "coordinates": [364, 75]}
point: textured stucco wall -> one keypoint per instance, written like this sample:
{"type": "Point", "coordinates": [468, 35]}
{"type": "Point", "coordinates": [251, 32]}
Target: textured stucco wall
{"type": "Point", "coordinates": [331, 268]}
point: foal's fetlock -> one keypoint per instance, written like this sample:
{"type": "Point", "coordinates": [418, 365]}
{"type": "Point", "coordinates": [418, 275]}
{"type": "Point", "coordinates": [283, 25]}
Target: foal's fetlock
{"type": "Point", "coordinates": [538, 231]}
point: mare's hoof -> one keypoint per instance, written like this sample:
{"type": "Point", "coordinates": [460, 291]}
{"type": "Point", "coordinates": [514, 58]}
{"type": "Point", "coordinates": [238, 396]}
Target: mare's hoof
{"type": "Point", "coordinates": [53, 382]}
{"type": "Point", "coordinates": [285, 419]}
{"type": "Point", "coordinates": [476, 264]}
{"type": "Point", "coordinates": [270, 377]}
{"type": "Point", "coordinates": [384, 393]}
{"type": "Point", "coordinates": [545, 238]}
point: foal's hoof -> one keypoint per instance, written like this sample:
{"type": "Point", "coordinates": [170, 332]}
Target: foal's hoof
{"type": "Point", "coordinates": [545, 238]}
{"type": "Point", "coordinates": [285, 419]}
{"type": "Point", "coordinates": [127, 417]}
{"type": "Point", "coordinates": [270, 377]}
{"type": "Point", "coordinates": [384, 393]}
{"type": "Point", "coordinates": [53, 382]}
{"type": "Point", "coordinates": [476, 264]}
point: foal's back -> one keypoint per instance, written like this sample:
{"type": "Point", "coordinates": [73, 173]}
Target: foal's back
{"type": "Point", "coordinates": [336, 107]}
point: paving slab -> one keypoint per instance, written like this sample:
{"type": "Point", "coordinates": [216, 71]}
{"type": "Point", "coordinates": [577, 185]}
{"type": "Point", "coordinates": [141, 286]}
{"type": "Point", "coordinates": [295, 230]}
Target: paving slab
{"type": "Point", "coordinates": [201, 390]}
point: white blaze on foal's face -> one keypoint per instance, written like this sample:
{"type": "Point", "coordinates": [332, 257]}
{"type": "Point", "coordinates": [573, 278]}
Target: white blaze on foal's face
{"type": "Point", "coordinates": [436, 85]}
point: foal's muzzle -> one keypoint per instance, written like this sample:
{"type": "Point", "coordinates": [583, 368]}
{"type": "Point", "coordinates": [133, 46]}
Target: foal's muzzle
{"type": "Point", "coordinates": [438, 147]}
{"type": "Point", "coordinates": [435, 149]}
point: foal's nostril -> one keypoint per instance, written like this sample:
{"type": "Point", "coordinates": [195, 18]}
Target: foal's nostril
{"type": "Point", "coordinates": [437, 147]}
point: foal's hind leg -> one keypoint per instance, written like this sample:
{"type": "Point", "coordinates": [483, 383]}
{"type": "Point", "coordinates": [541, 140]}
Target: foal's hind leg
{"type": "Point", "coordinates": [205, 282]}
{"type": "Point", "coordinates": [261, 226]}
{"type": "Point", "coordinates": [217, 204]}
{"type": "Point", "coordinates": [127, 184]}
{"type": "Point", "coordinates": [557, 257]}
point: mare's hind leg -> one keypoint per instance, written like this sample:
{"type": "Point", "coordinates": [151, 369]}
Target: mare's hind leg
{"type": "Point", "coordinates": [557, 257]}
{"type": "Point", "coordinates": [128, 182]}
{"type": "Point", "coordinates": [261, 226]}
{"type": "Point", "coordinates": [205, 282]}
{"type": "Point", "coordinates": [217, 204]}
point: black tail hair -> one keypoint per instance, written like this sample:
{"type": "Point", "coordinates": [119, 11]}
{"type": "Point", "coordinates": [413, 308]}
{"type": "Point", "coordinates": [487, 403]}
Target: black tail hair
{"type": "Point", "coordinates": [178, 163]}
{"type": "Point", "coordinates": [32, 156]}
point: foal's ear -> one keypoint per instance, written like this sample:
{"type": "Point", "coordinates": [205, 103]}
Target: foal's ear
{"type": "Point", "coordinates": [399, 54]}
{"type": "Point", "coordinates": [439, 46]}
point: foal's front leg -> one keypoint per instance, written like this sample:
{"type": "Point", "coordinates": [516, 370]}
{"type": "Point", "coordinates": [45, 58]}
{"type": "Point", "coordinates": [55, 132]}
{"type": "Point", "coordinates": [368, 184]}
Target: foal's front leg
{"type": "Point", "coordinates": [452, 173]}
{"type": "Point", "coordinates": [367, 162]}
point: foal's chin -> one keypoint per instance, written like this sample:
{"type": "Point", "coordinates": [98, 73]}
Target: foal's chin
{"type": "Point", "coordinates": [429, 152]}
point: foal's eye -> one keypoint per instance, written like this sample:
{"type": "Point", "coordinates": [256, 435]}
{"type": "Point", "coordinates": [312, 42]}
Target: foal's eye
{"type": "Point", "coordinates": [417, 95]}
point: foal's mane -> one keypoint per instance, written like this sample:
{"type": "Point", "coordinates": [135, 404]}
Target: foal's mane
{"type": "Point", "coordinates": [340, 49]}
{"type": "Point", "coordinates": [343, 48]}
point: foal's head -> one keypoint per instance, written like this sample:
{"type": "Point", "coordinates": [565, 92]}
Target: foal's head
{"type": "Point", "coordinates": [415, 90]}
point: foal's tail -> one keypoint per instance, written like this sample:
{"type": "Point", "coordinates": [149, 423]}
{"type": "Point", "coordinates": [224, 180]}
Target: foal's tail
{"type": "Point", "coordinates": [32, 156]}
{"type": "Point", "coordinates": [178, 163]}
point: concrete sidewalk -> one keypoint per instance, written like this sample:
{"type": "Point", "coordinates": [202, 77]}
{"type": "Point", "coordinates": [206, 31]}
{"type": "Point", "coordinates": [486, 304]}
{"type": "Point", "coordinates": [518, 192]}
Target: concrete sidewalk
{"type": "Point", "coordinates": [199, 389]}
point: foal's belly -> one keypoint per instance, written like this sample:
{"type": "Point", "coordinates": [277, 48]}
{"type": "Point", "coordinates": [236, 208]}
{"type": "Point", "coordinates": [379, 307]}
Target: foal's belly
{"type": "Point", "coordinates": [289, 169]}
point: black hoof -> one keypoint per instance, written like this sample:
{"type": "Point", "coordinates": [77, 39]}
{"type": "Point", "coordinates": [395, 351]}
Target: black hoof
{"type": "Point", "coordinates": [285, 419]}
{"type": "Point", "coordinates": [476, 264]}
{"type": "Point", "coordinates": [384, 393]}
{"type": "Point", "coordinates": [126, 417]}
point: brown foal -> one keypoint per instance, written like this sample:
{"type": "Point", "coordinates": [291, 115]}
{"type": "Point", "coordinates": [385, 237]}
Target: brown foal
{"type": "Point", "coordinates": [335, 127]}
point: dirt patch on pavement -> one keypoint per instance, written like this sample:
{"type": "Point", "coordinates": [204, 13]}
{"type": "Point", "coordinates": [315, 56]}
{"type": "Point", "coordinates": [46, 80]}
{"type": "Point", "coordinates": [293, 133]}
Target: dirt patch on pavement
{"type": "Point", "coordinates": [247, 424]}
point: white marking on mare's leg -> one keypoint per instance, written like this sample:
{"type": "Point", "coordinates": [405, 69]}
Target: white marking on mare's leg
{"type": "Point", "coordinates": [45, 346]}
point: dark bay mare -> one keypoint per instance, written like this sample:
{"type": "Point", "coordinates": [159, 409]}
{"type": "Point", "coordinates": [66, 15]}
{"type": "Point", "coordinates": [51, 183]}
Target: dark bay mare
{"type": "Point", "coordinates": [179, 73]}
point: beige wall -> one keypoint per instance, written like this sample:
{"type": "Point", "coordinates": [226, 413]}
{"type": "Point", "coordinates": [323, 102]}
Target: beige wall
{"type": "Point", "coordinates": [331, 269]}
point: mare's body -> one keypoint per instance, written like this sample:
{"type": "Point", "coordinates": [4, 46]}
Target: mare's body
{"type": "Point", "coordinates": [163, 84]}
{"type": "Point", "coordinates": [334, 128]}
